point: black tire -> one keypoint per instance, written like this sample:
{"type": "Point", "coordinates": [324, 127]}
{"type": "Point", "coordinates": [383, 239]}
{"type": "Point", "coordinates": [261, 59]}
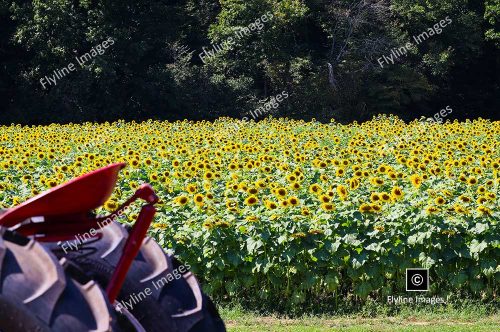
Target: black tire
{"type": "Point", "coordinates": [40, 293]}
{"type": "Point", "coordinates": [173, 301]}
{"type": "Point", "coordinates": [16, 317]}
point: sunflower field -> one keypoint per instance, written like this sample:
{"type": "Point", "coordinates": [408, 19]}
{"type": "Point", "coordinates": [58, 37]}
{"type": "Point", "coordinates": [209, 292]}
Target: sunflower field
{"type": "Point", "coordinates": [292, 209]}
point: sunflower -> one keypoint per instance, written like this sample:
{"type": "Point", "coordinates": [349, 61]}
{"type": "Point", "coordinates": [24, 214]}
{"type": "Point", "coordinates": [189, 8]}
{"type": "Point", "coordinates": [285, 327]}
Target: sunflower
{"type": "Point", "coordinates": [354, 184]}
{"type": "Point", "coordinates": [294, 201]}
{"type": "Point", "coordinates": [460, 209]}
{"type": "Point", "coordinates": [243, 186]}
{"type": "Point", "coordinates": [376, 207]}
{"type": "Point", "coordinates": [208, 225]}
{"type": "Point", "coordinates": [284, 203]}
{"type": "Point", "coordinates": [270, 205]}
{"type": "Point", "coordinates": [198, 199]}
{"type": "Point", "coordinates": [324, 198]}
{"type": "Point", "coordinates": [464, 198]}
{"type": "Point", "coordinates": [342, 192]}
{"type": "Point", "coordinates": [305, 211]}
{"type": "Point", "coordinates": [281, 192]}
{"type": "Point", "coordinates": [298, 235]}
{"type": "Point", "coordinates": [416, 180]}
{"type": "Point", "coordinates": [376, 181]}
{"type": "Point", "coordinates": [222, 224]}
{"type": "Point", "coordinates": [327, 206]}
{"type": "Point", "coordinates": [472, 180]}
{"type": "Point", "coordinates": [252, 191]}
{"type": "Point", "coordinates": [481, 200]}
{"type": "Point", "coordinates": [191, 188]}
{"type": "Point", "coordinates": [483, 210]}
{"type": "Point", "coordinates": [315, 188]}
{"type": "Point", "coordinates": [382, 168]}
{"type": "Point", "coordinates": [439, 200]}
{"type": "Point", "coordinates": [431, 209]}
{"type": "Point", "coordinates": [491, 196]}
{"type": "Point", "coordinates": [385, 197]}
{"type": "Point", "coordinates": [111, 205]}
{"type": "Point", "coordinates": [154, 177]}
{"type": "Point", "coordinates": [159, 225]}
{"type": "Point", "coordinates": [261, 184]}
{"type": "Point", "coordinates": [375, 197]}
{"type": "Point", "coordinates": [365, 207]}
{"type": "Point", "coordinates": [51, 183]}
{"type": "Point", "coordinates": [251, 200]}
{"type": "Point", "coordinates": [397, 193]}
{"type": "Point", "coordinates": [181, 200]}
{"type": "Point", "coordinates": [251, 218]}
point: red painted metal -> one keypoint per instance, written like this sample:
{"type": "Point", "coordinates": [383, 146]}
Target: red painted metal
{"type": "Point", "coordinates": [66, 227]}
{"type": "Point", "coordinates": [78, 196]}
{"type": "Point", "coordinates": [59, 230]}
{"type": "Point", "coordinates": [130, 251]}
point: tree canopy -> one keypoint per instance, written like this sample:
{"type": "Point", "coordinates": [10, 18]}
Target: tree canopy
{"type": "Point", "coordinates": [324, 54]}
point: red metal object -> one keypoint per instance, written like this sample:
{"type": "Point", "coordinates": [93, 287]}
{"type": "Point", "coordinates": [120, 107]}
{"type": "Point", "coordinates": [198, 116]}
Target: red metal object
{"type": "Point", "coordinates": [66, 212]}
{"type": "Point", "coordinates": [78, 196]}
{"type": "Point", "coordinates": [65, 227]}
{"type": "Point", "coordinates": [130, 251]}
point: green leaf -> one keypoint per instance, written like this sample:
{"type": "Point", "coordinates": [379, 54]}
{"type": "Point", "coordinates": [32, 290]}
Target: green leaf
{"type": "Point", "coordinates": [363, 289]}
{"type": "Point", "coordinates": [480, 228]}
{"type": "Point", "coordinates": [233, 258]}
{"type": "Point", "coordinates": [427, 262]}
{"type": "Point", "coordinates": [477, 247]}
{"type": "Point", "coordinates": [253, 245]}
{"type": "Point", "coordinates": [459, 279]}
{"type": "Point", "coordinates": [332, 281]}
{"type": "Point", "coordinates": [476, 285]}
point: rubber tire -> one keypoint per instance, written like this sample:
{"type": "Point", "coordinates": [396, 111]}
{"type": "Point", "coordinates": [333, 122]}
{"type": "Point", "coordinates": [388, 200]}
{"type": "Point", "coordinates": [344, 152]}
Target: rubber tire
{"type": "Point", "coordinates": [39, 293]}
{"type": "Point", "coordinates": [213, 322]}
{"type": "Point", "coordinates": [16, 317]}
{"type": "Point", "coordinates": [99, 260]}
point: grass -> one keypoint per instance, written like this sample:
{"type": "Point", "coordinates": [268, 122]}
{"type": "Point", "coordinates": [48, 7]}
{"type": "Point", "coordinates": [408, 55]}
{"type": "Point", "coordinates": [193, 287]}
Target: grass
{"type": "Point", "coordinates": [468, 318]}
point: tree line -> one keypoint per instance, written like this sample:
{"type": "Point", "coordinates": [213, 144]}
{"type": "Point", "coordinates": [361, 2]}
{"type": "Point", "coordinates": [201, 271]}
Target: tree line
{"type": "Point", "coordinates": [202, 59]}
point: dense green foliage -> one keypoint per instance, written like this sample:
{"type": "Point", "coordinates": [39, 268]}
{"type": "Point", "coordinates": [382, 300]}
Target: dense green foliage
{"type": "Point", "coordinates": [323, 53]}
